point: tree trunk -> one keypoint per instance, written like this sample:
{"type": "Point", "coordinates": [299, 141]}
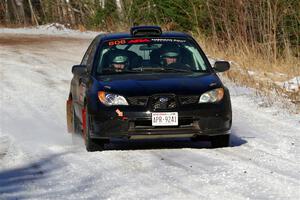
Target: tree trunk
{"type": "Point", "coordinates": [214, 32]}
{"type": "Point", "coordinates": [71, 14]}
{"type": "Point", "coordinates": [21, 11]}
{"type": "Point", "coordinates": [64, 9]}
{"type": "Point", "coordinates": [43, 10]}
{"type": "Point", "coordinates": [59, 12]}
{"type": "Point", "coordinates": [7, 16]}
{"type": "Point", "coordinates": [33, 16]}
{"type": "Point", "coordinates": [15, 11]}
{"type": "Point", "coordinates": [120, 10]}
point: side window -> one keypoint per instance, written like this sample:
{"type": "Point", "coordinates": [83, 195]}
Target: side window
{"type": "Point", "coordinates": [91, 56]}
{"type": "Point", "coordinates": [85, 57]}
{"type": "Point", "coordinates": [88, 53]}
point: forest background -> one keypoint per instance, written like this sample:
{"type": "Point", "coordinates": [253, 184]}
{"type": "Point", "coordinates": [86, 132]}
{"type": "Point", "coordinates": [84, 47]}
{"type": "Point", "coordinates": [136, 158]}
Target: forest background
{"type": "Point", "coordinates": [261, 38]}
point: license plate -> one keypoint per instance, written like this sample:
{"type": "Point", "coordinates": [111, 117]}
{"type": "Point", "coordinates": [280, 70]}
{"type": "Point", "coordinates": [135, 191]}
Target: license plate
{"type": "Point", "coordinates": [165, 119]}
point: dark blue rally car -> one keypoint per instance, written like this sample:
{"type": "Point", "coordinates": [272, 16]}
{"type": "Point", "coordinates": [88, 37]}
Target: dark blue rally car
{"type": "Point", "coordinates": [148, 84]}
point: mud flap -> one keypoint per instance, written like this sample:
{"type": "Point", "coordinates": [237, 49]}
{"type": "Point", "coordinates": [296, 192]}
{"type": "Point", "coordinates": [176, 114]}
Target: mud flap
{"type": "Point", "coordinates": [69, 116]}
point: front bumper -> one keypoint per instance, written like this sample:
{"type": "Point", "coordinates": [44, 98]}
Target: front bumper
{"type": "Point", "coordinates": [138, 124]}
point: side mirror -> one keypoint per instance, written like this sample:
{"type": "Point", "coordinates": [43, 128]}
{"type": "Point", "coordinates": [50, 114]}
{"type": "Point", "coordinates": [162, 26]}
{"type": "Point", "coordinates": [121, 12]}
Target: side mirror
{"type": "Point", "coordinates": [79, 69]}
{"type": "Point", "coordinates": [221, 66]}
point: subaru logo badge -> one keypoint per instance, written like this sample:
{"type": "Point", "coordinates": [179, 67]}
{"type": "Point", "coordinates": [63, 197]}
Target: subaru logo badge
{"type": "Point", "coordinates": [163, 99]}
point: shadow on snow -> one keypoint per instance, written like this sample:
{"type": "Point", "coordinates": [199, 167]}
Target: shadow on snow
{"type": "Point", "coordinates": [15, 181]}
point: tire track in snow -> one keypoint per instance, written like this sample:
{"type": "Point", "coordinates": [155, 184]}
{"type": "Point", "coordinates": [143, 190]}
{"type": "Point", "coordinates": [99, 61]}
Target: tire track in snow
{"type": "Point", "coordinates": [125, 167]}
{"type": "Point", "coordinates": [265, 165]}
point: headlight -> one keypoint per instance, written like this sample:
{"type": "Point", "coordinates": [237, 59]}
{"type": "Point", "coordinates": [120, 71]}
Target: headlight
{"type": "Point", "coordinates": [212, 96]}
{"type": "Point", "coordinates": [109, 99]}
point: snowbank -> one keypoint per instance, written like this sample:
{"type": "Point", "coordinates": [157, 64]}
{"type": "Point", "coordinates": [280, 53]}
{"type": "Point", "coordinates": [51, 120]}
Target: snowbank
{"type": "Point", "coordinates": [292, 85]}
{"type": "Point", "coordinates": [54, 29]}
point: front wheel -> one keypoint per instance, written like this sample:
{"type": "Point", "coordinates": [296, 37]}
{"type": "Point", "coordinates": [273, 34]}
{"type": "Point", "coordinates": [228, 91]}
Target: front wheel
{"type": "Point", "coordinates": [220, 141]}
{"type": "Point", "coordinates": [90, 144]}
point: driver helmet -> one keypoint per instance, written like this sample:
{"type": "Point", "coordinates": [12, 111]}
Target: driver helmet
{"type": "Point", "coordinates": [120, 59]}
{"type": "Point", "coordinates": [169, 52]}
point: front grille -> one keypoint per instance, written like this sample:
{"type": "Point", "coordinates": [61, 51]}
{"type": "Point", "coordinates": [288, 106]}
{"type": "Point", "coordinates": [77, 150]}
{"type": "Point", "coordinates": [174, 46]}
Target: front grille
{"type": "Point", "coordinates": [163, 102]}
{"type": "Point", "coordinates": [185, 100]}
{"type": "Point", "coordinates": [138, 101]}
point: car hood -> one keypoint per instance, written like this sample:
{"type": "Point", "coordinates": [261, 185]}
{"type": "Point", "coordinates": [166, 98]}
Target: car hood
{"type": "Point", "coordinates": [149, 84]}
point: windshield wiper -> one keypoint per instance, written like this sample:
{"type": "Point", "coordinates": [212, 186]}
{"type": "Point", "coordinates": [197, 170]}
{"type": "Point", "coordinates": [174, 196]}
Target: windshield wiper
{"type": "Point", "coordinates": [112, 71]}
{"type": "Point", "coordinates": [169, 69]}
{"type": "Point", "coordinates": [144, 69]}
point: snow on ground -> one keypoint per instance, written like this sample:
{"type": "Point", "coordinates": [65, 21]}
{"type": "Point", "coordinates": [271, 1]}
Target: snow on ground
{"type": "Point", "coordinates": [54, 29]}
{"type": "Point", "coordinates": [292, 85]}
{"type": "Point", "coordinates": [37, 160]}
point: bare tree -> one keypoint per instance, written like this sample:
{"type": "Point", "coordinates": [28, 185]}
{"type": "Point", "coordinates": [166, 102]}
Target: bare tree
{"type": "Point", "coordinates": [33, 16]}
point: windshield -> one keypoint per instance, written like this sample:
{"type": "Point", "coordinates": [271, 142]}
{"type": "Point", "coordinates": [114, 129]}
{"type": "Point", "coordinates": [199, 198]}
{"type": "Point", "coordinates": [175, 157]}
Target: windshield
{"type": "Point", "coordinates": [144, 55]}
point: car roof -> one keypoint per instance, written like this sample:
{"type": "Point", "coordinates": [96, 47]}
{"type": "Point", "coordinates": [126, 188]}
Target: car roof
{"type": "Point", "coordinates": [168, 34]}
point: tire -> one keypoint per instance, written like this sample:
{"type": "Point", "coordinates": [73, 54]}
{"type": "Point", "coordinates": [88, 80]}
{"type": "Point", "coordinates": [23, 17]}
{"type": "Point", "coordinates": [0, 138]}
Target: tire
{"type": "Point", "coordinates": [90, 144]}
{"type": "Point", "coordinates": [220, 141]}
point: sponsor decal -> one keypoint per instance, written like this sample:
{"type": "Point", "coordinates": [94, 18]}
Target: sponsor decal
{"type": "Point", "coordinates": [119, 113]}
{"type": "Point", "coordinates": [167, 40]}
{"type": "Point", "coordinates": [135, 41]}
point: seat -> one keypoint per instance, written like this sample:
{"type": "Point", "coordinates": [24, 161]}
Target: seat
{"type": "Point", "coordinates": [155, 57]}
{"type": "Point", "coordinates": [136, 61]}
{"type": "Point", "coordinates": [187, 58]}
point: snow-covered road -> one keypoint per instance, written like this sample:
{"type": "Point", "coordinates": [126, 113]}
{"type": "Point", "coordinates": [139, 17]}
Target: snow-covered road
{"type": "Point", "coordinates": [38, 161]}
